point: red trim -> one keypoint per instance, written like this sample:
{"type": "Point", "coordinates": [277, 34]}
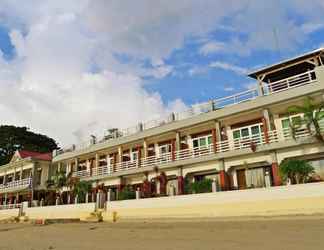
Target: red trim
{"type": "Point", "coordinates": [173, 149]}
{"type": "Point", "coordinates": [139, 155]}
{"type": "Point", "coordinates": [265, 130]}
{"type": "Point", "coordinates": [275, 174]}
{"type": "Point", "coordinates": [223, 180]}
{"type": "Point", "coordinates": [180, 185]}
{"type": "Point", "coordinates": [214, 138]}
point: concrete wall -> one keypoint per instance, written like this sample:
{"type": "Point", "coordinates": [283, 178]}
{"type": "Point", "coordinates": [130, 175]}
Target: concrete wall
{"type": "Point", "coordinates": [284, 200]}
{"type": "Point", "coordinates": [73, 211]}
{"type": "Point", "coordinates": [8, 213]}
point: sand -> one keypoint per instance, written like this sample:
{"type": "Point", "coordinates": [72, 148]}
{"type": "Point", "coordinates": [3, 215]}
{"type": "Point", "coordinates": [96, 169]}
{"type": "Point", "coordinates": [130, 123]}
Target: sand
{"type": "Point", "coordinates": [302, 232]}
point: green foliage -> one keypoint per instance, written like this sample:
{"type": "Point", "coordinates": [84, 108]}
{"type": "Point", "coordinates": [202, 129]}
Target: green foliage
{"type": "Point", "coordinates": [81, 189]}
{"type": "Point", "coordinates": [127, 193]}
{"type": "Point", "coordinates": [313, 114]}
{"type": "Point", "coordinates": [16, 138]}
{"type": "Point", "coordinates": [203, 186]}
{"type": "Point", "coordinates": [298, 171]}
{"type": "Point", "coordinates": [58, 181]}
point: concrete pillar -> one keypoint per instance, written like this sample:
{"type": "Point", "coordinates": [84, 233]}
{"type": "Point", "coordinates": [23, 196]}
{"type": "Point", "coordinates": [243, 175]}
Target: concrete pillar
{"type": "Point", "coordinates": [275, 170]}
{"type": "Point", "coordinates": [145, 148]}
{"type": "Point", "coordinates": [97, 161]}
{"type": "Point", "coordinates": [120, 154]}
{"type": "Point", "coordinates": [109, 195]}
{"type": "Point", "coordinates": [214, 186]}
{"type": "Point", "coordinates": [59, 166]}
{"type": "Point", "coordinates": [5, 199]}
{"type": "Point", "coordinates": [223, 176]}
{"type": "Point", "coordinates": [21, 173]}
{"type": "Point", "coordinates": [180, 182]}
{"type": "Point", "coordinates": [69, 198]}
{"type": "Point", "coordinates": [260, 87]}
{"type": "Point", "coordinates": [172, 190]}
{"type": "Point", "coordinates": [76, 162]}
{"type": "Point", "coordinates": [57, 201]}
{"type": "Point", "coordinates": [138, 194]}
{"type": "Point", "coordinates": [173, 150]}
{"type": "Point", "coordinates": [214, 140]}
{"type": "Point", "coordinates": [178, 141]}
{"type": "Point", "coordinates": [76, 199]}
{"type": "Point", "coordinates": [41, 202]}
{"type": "Point", "coordinates": [87, 198]}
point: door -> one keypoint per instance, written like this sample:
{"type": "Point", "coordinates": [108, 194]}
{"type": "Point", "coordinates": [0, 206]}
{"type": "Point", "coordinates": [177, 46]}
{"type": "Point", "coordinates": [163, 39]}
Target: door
{"type": "Point", "coordinates": [241, 180]}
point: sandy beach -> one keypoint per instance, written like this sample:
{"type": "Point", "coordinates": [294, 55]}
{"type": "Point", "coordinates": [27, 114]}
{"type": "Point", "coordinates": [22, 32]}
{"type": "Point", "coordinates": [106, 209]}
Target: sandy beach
{"type": "Point", "coordinates": [302, 232]}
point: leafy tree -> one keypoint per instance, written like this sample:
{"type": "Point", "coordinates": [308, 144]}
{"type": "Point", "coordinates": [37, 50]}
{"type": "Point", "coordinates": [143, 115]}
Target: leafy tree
{"type": "Point", "coordinates": [298, 171]}
{"type": "Point", "coordinates": [15, 138]}
{"type": "Point", "coordinates": [313, 114]}
{"type": "Point", "coordinates": [81, 189]}
{"type": "Point", "coordinates": [203, 186]}
{"type": "Point", "coordinates": [57, 182]}
{"type": "Point", "coordinates": [127, 193]}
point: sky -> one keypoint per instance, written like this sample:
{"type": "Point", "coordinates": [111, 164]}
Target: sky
{"type": "Point", "coordinates": [73, 68]}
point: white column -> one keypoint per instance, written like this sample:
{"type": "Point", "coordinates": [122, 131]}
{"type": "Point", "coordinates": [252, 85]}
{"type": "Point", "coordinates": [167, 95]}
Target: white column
{"type": "Point", "coordinates": [97, 161]}
{"type": "Point", "coordinates": [145, 147]}
{"type": "Point", "coordinates": [218, 131]}
{"type": "Point", "coordinates": [120, 154]}
{"type": "Point", "coordinates": [178, 141]}
{"type": "Point", "coordinates": [230, 137]}
{"type": "Point", "coordinates": [266, 115]}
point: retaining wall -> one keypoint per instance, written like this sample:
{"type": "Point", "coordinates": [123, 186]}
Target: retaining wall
{"type": "Point", "coordinates": [283, 200]}
{"type": "Point", "coordinates": [9, 213]}
{"type": "Point", "coordinates": [73, 211]}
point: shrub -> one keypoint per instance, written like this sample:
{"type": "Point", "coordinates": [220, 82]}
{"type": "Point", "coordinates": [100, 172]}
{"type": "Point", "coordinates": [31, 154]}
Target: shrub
{"type": "Point", "coordinates": [298, 171]}
{"type": "Point", "coordinates": [127, 194]}
{"type": "Point", "coordinates": [203, 186]}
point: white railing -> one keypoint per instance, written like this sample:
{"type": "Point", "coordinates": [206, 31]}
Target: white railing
{"type": "Point", "coordinates": [194, 110]}
{"type": "Point", "coordinates": [291, 82]}
{"type": "Point", "coordinates": [221, 146]}
{"type": "Point", "coordinates": [81, 173]}
{"type": "Point", "coordinates": [17, 184]}
{"type": "Point", "coordinates": [10, 206]}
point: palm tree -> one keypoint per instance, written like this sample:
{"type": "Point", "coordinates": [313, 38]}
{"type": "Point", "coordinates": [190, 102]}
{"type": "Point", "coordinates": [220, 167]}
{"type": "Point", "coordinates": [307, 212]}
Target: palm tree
{"type": "Point", "coordinates": [312, 115]}
{"type": "Point", "coordinates": [81, 189]}
{"type": "Point", "coordinates": [58, 182]}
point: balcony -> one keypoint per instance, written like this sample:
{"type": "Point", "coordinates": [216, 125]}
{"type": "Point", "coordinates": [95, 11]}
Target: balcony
{"type": "Point", "coordinates": [16, 185]}
{"type": "Point", "coordinates": [212, 105]}
{"type": "Point", "coordinates": [220, 147]}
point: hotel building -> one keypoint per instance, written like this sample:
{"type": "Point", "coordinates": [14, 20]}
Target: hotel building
{"type": "Point", "coordinates": [238, 141]}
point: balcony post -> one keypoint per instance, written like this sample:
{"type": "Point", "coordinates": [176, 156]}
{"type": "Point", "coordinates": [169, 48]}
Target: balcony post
{"type": "Point", "coordinates": [120, 154]}
{"type": "Point", "coordinates": [275, 170]}
{"type": "Point", "coordinates": [21, 173]}
{"type": "Point", "coordinates": [178, 141]}
{"type": "Point", "coordinates": [214, 140]}
{"type": "Point", "coordinates": [145, 148]}
{"type": "Point", "coordinates": [139, 155]}
{"type": "Point", "coordinates": [266, 125]}
{"type": "Point", "coordinates": [76, 162]}
{"type": "Point", "coordinates": [223, 176]}
{"type": "Point", "coordinates": [180, 182]}
{"type": "Point", "coordinates": [173, 149]}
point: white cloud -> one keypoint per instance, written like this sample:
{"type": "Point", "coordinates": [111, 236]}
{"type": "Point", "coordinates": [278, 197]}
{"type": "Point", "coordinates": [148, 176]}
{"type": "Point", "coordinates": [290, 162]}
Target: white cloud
{"type": "Point", "coordinates": [66, 78]}
{"type": "Point", "coordinates": [226, 66]}
{"type": "Point", "coordinates": [211, 47]}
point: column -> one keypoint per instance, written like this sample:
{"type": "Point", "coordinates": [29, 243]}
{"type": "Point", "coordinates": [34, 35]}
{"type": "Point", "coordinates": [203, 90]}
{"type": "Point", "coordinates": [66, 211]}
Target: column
{"type": "Point", "coordinates": [120, 154]}
{"type": "Point", "coordinates": [139, 155]}
{"type": "Point", "coordinates": [97, 160]}
{"type": "Point", "coordinates": [178, 141]}
{"type": "Point", "coordinates": [145, 146]}
{"type": "Point", "coordinates": [21, 173]}
{"type": "Point", "coordinates": [266, 125]}
{"type": "Point", "coordinates": [180, 182]}
{"type": "Point", "coordinates": [173, 150]}
{"type": "Point", "coordinates": [223, 176]}
{"type": "Point", "coordinates": [259, 85]}
{"type": "Point", "coordinates": [275, 170]}
{"type": "Point", "coordinates": [59, 167]}
{"type": "Point", "coordinates": [76, 163]}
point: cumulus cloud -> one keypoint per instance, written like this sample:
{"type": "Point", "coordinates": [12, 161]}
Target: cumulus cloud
{"type": "Point", "coordinates": [80, 66]}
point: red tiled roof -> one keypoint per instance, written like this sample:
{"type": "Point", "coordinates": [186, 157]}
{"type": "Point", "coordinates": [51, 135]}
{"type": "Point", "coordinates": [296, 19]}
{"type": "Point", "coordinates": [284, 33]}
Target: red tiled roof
{"type": "Point", "coordinates": [40, 156]}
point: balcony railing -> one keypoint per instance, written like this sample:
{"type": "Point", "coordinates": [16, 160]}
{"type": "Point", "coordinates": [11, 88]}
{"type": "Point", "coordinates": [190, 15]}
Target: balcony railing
{"type": "Point", "coordinates": [291, 82]}
{"type": "Point", "coordinates": [24, 183]}
{"type": "Point", "coordinates": [194, 110]}
{"type": "Point", "coordinates": [220, 147]}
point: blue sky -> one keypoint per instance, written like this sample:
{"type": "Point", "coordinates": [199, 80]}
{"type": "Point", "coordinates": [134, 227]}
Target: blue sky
{"type": "Point", "coordinates": [71, 69]}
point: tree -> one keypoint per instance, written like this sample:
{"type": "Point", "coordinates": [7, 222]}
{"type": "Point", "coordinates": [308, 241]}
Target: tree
{"type": "Point", "coordinates": [298, 171]}
{"type": "Point", "coordinates": [312, 115]}
{"type": "Point", "coordinates": [81, 189]}
{"type": "Point", "coordinates": [16, 138]}
{"type": "Point", "coordinates": [58, 182]}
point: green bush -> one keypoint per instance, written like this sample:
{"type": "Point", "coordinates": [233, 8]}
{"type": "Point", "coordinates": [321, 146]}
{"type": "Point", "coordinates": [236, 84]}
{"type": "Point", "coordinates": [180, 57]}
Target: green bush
{"type": "Point", "coordinates": [203, 186]}
{"type": "Point", "coordinates": [127, 194]}
{"type": "Point", "coordinates": [298, 171]}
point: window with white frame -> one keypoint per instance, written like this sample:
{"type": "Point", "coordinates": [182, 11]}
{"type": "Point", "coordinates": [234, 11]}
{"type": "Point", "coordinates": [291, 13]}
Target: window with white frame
{"type": "Point", "coordinates": [247, 131]}
{"type": "Point", "coordinates": [165, 148]}
{"type": "Point", "coordinates": [202, 141]}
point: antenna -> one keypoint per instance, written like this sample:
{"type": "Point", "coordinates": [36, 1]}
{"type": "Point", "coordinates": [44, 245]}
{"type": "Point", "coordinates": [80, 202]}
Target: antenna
{"type": "Point", "coordinates": [277, 47]}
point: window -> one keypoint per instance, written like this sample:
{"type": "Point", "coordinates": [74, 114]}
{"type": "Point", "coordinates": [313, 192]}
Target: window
{"type": "Point", "coordinates": [203, 141]}
{"type": "Point", "coordinates": [164, 149]}
{"type": "Point", "coordinates": [247, 131]}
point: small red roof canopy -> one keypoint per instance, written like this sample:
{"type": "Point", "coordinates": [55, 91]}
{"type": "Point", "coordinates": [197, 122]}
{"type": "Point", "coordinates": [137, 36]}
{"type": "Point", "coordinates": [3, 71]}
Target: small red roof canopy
{"type": "Point", "coordinates": [36, 155]}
